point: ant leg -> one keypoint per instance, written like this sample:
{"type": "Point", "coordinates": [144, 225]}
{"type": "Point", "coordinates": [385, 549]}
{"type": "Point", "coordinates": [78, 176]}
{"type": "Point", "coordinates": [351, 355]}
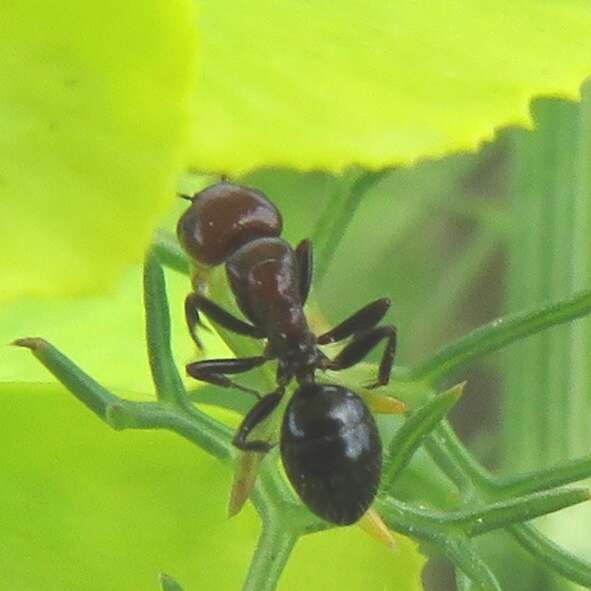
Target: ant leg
{"type": "Point", "coordinates": [359, 348]}
{"type": "Point", "coordinates": [193, 320]}
{"type": "Point", "coordinates": [212, 371]}
{"type": "Point", "coordinates": [305, 264]}
{"type": "Point", "coordinates": [258, 413]}
{"type": "Point", "coordinates": [195, 302]}
{"type": "Point", "coordinates": [361, 321]}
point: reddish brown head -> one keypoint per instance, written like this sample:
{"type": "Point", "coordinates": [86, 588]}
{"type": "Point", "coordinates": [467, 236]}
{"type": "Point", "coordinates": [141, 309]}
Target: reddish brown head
{"type": "Point", "coordinates": [222, 218]}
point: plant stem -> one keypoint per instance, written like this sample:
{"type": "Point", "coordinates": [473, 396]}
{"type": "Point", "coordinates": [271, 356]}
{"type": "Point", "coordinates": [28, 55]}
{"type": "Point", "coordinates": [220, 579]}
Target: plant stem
{"type": "Point", "coordinates": [503, 513]}
{"type": "Point", "coordinates": [498, 334]}
{"type": "Point", "coordinates": [443, 437]}
{"type": "Point", "coordinates": [192, 424]}
{"type": "Point", "coordinates": [166, 378]}
{"type": "Point", "coordinates": [552, 555]}
{"type": "Point", "coordinates": [462, 553]}
{"type": "Point", "coordinates": [94, 396]}
{"type": "Point", "coordinates": [545, 479]}
{"type": "Point", "coordinates": [169, 252]}
{"type": "Point", "coordinates": [535, 421]}
{"type": "Point", "coordinates": [195, 426]}
{"type": "Point", "coordinates": [341, 217]}
{"type": "Point", "coordinates": [579, 406]}
{"type": "Point", "coordinates": [452, 285]}
{"type": "Point", "coordinates": [546, 551]}
{"type": "Point", "coordinates": [410, 436]}
{"type": "Point", "coordinates": [272, 552]}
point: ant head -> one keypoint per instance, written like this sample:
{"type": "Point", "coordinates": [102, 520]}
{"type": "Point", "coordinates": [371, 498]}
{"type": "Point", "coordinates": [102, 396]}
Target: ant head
{"type": "Point", "coordinates": [222, 218]}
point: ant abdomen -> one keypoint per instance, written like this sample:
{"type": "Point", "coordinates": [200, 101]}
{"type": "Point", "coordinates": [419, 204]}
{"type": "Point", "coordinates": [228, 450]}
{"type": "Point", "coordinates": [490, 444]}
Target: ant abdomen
{"type": "Point", "coordinates": [331, 451]}
{"type": "Point", "coordinates": [224, 217]}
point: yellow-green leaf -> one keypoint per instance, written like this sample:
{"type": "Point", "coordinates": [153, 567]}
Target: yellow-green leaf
{"type": "Point", "coordinates": [103, 334]}
{"type": "Point", "coordinates": [84, 507]}
{"type": "Point", "coordinates": [95, 112]}
{"type": "Point", "coordinates": [377, 83]}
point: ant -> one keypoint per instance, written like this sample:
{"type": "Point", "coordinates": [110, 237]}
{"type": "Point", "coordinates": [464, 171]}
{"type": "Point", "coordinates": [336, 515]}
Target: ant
{"type": "Point", "coordinates": [329, 442]}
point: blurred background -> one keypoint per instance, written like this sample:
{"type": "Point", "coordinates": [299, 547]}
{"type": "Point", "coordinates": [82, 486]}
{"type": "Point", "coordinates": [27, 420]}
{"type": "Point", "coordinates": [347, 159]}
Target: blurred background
{"type": "Point", "coordinates": [454, 243]}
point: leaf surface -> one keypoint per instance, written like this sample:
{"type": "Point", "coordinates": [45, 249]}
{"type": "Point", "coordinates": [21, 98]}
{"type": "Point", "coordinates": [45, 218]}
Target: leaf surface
{"type": "Point", "coordinates": [84, 507]}
{"type": "Point", "coordinates": [95, 113]}
{"type": "Point", "coordinates": [314, 86]}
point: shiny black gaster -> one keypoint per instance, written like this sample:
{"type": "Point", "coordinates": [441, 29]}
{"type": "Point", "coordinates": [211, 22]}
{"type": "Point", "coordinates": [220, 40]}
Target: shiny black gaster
{"type": "Point", "coordinates": [331, 452]}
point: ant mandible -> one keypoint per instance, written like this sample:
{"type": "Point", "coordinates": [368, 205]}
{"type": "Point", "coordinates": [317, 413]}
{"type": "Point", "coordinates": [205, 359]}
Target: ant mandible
{"type": "Point", "coordinates": [338, 476]}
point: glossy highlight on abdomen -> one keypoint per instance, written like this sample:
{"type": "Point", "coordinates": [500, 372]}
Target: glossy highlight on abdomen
{"type": "Point", "coordinates": [331, 452]}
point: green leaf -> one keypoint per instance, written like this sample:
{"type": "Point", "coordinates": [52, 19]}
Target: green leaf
{"type": "Point", "coordinates": [95, 118]}
{"type": "Point", "coordinates": [376, 566]}
{"type": "Point", "coordinates": [376, 83]}
{"type": "Point", "coordinates": [105, 335]}
{"type": "Point", "coordinates": [119, 507]}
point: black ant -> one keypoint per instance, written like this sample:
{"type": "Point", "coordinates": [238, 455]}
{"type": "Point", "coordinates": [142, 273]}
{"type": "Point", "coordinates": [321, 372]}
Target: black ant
{"type": "Point", "coordinates": [329, 443]}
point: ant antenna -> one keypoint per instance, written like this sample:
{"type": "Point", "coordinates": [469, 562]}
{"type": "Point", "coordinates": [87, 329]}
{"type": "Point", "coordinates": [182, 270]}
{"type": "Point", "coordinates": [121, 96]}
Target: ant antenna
{"type": "Point", "coordinates": [187, 197]}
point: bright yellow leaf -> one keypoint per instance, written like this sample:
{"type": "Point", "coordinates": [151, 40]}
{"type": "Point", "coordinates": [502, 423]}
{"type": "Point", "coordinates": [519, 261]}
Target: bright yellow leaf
{"type": "Point", "coordinates": [377, 83]}
{"type": "Point", "coordinates": [95, 112]}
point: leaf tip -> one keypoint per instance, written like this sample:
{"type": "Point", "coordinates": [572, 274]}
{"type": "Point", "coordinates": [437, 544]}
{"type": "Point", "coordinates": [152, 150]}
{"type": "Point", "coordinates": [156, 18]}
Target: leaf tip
{"type": "Point", "coordinates": [167, 583]}
{"type": "Point", "coordinates": [32, 343]}
{"type": "Point", "coordinates": [458, 389]}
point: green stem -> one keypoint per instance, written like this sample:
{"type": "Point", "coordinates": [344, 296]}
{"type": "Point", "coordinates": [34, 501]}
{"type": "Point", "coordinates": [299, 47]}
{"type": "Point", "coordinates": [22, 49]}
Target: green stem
{"type": "Point", "coordinates": [432, 525]}
{"type": "Point", "coordinates": [192, 424]}
{"type": "Point", "coordinates": [421, 524]}
{"type": "Point", "coordinates": [499, 334]}
{"type": "Point", "coordinates": [410, 436]}
{"type": "Point", "coordinates": [94, 396]}
{"type": "Point", "coordinates": [449, 465]}
{"type": "Point", "coordinates": [324, 221]}
{"type": "Point", "coordinates": [529, 482]}
{"type": "Point", "coordinates": [452, 285]}
{"type": "Point", "coordinates": [196, 426]}
{"type": "Point", "coordinates": [452, 456]}
{"type": "Point", "coordinates": [535, 423]}
{"type": "Point", "coordinates": [580, 273]}
{"type": "Point", "coordinates": [342, 215]}
{"type": "Point", "coordinates": [169, 252]}
{"type": "Point", "coordinates": [544, 550]}
{"type": "Point", "coordinates": [478, 521]}
{"type": "Point", "coordinates": [167, 381]}
{"type": "Point", "coordinates": [552, 555]}
{"type": "Point", "coordinates": [462, 553]}
{"type": "Point", "coordinates": [272, 552]}
{"type": "Point", "coordinates": [446, 440]}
